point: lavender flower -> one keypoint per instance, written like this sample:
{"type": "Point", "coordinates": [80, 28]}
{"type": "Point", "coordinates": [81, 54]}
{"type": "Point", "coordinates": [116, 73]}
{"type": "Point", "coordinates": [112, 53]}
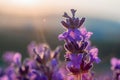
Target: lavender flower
{"type": "Point", "coordinates": [42, 64]}
{"type": "Point", "coordinates": [80, 55]}
{"type": "Point", "coordinates": [94, 55]}
{"type": "Point", "coordinates": [48, 63]}
{"type": "Point", "coordinates": [8, 56]}
{"type": "Point", "coordinates": [115, 68]}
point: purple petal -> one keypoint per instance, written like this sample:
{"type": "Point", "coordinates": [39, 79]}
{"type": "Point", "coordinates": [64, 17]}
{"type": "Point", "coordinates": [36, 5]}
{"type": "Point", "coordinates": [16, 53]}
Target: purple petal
{"type": "Point", "coordinates": [94, 55]}
{"type": "Point", "coordinates": [63, 36]}
{"type": "Point", "coordinates": [114, 61]}
{"type": "Point", "coordinates": [54, 63]}
{"type": "Point", "coordinates": [83, 31]}
{"type": "Point", "coordinates": [17, 58]}
{"type": "Point", "coordinates": [97, 60]}
{"type": "Point", "coordinates": [94, 52]}
{"type": "Point", "coordinates": [88, 35]}
{"type": "Point", "coordinates": [30, 48]}
{"type": "Point", "coordinates": [57, 76]}
{"type": "Point", "coordinates": [80, 56]}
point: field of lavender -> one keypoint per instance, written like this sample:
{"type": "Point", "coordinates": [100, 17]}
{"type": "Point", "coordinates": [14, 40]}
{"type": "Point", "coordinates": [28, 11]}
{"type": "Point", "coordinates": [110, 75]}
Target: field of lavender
{"type": "Point", "coordinates": [77, 56]}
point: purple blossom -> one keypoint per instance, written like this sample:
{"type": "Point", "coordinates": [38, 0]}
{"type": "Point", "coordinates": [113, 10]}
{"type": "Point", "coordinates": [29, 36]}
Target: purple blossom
{"type": "Point", "coordinates": [30, 48]}
{"type": "Point", "coordinates": [54, 63]}
{"type": "Point", "coordinates": [88, 76]}
{"type": "Point", "coordinates": [36, 75]}
{"type": "Point", "coordinates": [94, 55]}
{"type": "Point", "coordinates": [10, 73]}
{"type": "Point", "coordinates": [8, 56]}
{"type": "Point", "coordinates": [74, 62]}
{"type": "Point", "coordinates": [115, 63]}
{"type": "Point", "coordinates": [57, 76]}
{"type": "Point", "coordinates": [72, 22]}
{"type": "Point", "coordinates": [42, 53]}
{"type": "Point", "coordinates": [115, 68]}
{"type": "Point", "coordinates": [76, 47]}
{"type": "Point", "coordinates": [17, 58]}
{"type": "Point", "coordinates": [80, 55]}
{"type": "Point", "coordinates": [47, 61]}
{"type": "Point", "coordinates": [71, 35]}
{"type": "Point", "coordinates": [5, 77]}
{"type": "Point", "coordinates": [30, 62]}
{"type": "Point", "coordinates": [44, 63]}
{"type": "Point", "coordinates": [86, 35]}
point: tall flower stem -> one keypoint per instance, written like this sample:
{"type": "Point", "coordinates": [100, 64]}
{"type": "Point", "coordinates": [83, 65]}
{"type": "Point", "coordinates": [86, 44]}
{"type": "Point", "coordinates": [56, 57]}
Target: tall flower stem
{"type": "Point", "coordinates": [78, 77]}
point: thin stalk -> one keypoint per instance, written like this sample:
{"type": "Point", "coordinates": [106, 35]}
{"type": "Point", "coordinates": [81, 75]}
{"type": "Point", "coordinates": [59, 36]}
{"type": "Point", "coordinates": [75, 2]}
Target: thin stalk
{"type": "Point", "coordinates": [78, 77]}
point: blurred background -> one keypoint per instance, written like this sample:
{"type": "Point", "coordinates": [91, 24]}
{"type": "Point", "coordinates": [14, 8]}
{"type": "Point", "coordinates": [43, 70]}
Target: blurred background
{"type": "Point", "coordinates": [23, 21]}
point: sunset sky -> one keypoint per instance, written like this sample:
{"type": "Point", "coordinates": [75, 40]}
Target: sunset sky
{"type": "Point", "coordinates": [108, 9]}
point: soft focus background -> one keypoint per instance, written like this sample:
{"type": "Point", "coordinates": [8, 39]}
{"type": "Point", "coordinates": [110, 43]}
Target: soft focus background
{"type": "Point", "coordinates": [23, 21]}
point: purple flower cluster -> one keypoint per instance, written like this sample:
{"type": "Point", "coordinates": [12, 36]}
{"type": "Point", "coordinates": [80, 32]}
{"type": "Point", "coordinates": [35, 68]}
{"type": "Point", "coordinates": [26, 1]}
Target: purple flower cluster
{"type": "Point", "coordinates": [42, 64]}
{"type": "Point", "coordinates": [80, 55]}
{"type": "Point", "coordinates": [115, 68]}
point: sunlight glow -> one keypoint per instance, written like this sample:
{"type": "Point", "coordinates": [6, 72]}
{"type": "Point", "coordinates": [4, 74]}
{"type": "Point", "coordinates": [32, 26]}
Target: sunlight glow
{"type": "Point", "coordinates": [96, 8]}
{"type": "Point", "coordinates": [25, 2]}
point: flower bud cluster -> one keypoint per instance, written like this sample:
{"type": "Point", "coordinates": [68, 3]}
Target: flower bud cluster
{"type": "Point", "coordinates": [42, 64]}
{"type": "Point", "coordinates": [80, 55]}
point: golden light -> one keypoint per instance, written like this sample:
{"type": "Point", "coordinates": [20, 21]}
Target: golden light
{"type": "Point", "coordinates": [24, 7]}
{"type": "Point", "coordinates": [26, 2]}
{"type": "Point", "coordinates": [101, 9]}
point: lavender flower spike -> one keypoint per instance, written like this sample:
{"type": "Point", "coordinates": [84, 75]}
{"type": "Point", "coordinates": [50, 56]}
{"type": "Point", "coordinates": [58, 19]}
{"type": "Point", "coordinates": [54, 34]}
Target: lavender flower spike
{"type": "Point", "coordinates": [80, 55]}
{"type": "Point", "coordinates": [42, 64]}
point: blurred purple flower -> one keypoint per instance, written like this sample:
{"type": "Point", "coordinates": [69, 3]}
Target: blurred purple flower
{"type": "Point", "coordinates": [115, 68]}
{"type": "Point", "coordinates": [94, 55]}
{"type": "Point", "coordinates": [30, 48]}
{"type": "Point", "coordinates": [17, 58]}
{"type": "Point", "coordinates": [115, 63]}
{"type": "Point", "coordinates": [44, 64]}
{"type": "Point", "coordinates": [8, 56]}
{"type": "Point", "coordinates": [42, 52]}
{"type": "Point", "coordinates": [57, 76]}
{"type": "Point", "coordinates": [5, 77]}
